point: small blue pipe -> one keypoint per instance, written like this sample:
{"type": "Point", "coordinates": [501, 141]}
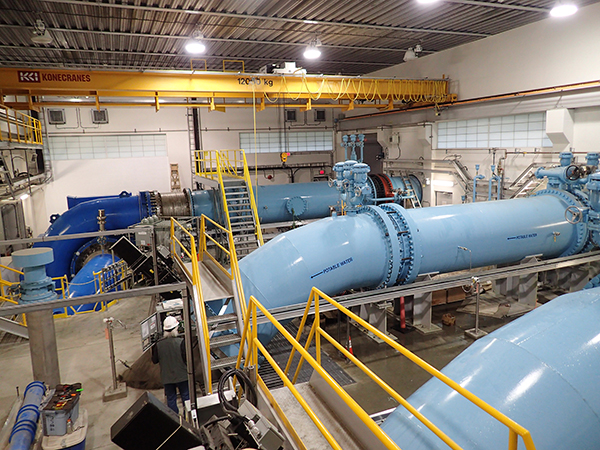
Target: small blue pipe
{"type": "Point", "coordinates": [23, 431]}
{"type": "Point", "coordinates": [477, 177]}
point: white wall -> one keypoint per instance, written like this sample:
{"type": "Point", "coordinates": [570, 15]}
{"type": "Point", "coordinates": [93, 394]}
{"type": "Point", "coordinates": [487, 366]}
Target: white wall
{"type": "Point", "coordinates": [552, 52]}
{"type": "Point", "coordinates": [220, 131]}
{"type": "Point", "coordinates": [89, 177]}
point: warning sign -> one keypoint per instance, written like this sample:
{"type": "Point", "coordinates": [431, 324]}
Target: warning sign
{"type": "Point", "coordinates": [29, 77]}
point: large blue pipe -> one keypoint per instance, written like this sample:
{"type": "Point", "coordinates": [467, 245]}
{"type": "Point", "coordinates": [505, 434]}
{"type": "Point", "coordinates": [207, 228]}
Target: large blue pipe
{"type": "Point", "coordinates": [27, 418]}
{"type": "Point", "coordinates": [389, 245]}
{"type": "Point", "coordinates": [276, 203]}
{"type": "Point", "coordinates": [542, 370]}
{"type": "Point", "coordinates": [121, 212]}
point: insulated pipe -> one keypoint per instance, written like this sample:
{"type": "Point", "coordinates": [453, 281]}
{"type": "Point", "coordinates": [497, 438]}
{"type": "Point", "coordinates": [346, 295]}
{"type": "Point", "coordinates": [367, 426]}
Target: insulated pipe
{"type": "Point", "coordinates": [23, 431]}
{"type": "Point", "coordinates": [541, 370]}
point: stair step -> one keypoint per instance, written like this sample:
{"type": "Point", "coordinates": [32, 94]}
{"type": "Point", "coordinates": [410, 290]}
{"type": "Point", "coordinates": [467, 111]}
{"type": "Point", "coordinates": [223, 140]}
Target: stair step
{"type": "Point", "coordinates": [224, 339]}
{"type": "Point", "coordinates": [221, 363]}
{"type": "Point", "coordinates": [240, 217]}
{"type": "Point", "coordinates": [238, 229]}
{"type": "Point", "coordinates": [223, 318]}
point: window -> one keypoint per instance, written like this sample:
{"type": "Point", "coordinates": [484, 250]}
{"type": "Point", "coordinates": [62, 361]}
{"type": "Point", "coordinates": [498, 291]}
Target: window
{"type": "Point", "coordinates": [523, 130]}
{"type": "Point", "coordinates": [290, 141]}
{"type": "Point", "coordinates": [100, 147]}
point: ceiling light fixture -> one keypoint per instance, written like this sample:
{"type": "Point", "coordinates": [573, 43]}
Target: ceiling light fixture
{"type": "Point", "coordinates": [195, 46]}
{"type": "Point", "coordinates": [413, 52]}
{"type": "Point", "coordinates": [427, 2]}
{"type": "Point", "coordinates": [40, 34]}
{"type": "Point", "coordinates": [312, 51]}
{"type": "Point", "coordinates": [563, 10]}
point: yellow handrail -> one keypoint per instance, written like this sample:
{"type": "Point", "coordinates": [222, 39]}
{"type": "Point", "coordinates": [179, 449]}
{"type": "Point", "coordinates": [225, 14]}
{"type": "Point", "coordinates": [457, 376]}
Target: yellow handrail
{"type": "Point", "coordinates": [515, 430]}
{"type": "Point", "coordinates": [234, 273]}
{"type": "Point", "coordinates": [254, 346]}
{"type": "Point", "coordinates": [192, 254]}
{"type": "Point", "coordinates": [253, 205]}
{"type": "Point", "coordinates": [19, 127]}
{"type": "Point", "coordinates": [213, 164]}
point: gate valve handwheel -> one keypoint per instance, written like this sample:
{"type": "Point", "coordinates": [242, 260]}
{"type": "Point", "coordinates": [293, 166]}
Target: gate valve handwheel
{"type": "Point", "coordinates": [576, 214]}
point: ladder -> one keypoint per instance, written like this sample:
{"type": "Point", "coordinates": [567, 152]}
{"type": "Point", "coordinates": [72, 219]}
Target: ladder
{"type": "Point", "coordinates": [242, 220]}
{"type": "Point", "coordinates": [409, 191]}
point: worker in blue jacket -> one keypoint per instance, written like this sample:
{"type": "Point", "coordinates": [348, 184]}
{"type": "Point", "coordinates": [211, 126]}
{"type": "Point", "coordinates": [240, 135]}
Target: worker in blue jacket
{"type": "Point", "coordinates": [170, 353]}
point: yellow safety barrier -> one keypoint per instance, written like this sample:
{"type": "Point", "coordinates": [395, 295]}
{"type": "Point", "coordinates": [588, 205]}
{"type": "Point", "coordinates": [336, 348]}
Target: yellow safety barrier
{"type": "Point", "coordinates": [62, 290]}
{"type": "Point", "coordinates": [316, 332]}
{"type": "Point", "coordinates": [214, 164]}
{"type": "Point", "coordinates": [18, 127]}
{"type": "Point", "coordinates": [177, 250]}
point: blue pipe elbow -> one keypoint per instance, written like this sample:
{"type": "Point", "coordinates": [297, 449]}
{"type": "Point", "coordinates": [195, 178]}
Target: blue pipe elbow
{"type": "Point", "coordinates": [541, 370]}
{"type": "Point", "coordinates": [23, 431]}
{"type": "Point", "coordinates": [121, 212]}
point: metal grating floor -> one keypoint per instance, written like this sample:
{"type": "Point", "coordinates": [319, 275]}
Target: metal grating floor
{"type": "Point", "coordinates": [279, 348]}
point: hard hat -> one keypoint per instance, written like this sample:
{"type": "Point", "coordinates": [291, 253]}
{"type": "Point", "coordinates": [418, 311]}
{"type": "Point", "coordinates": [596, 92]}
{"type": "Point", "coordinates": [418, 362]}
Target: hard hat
{"type": "Point", "coordinates": [170, 323]}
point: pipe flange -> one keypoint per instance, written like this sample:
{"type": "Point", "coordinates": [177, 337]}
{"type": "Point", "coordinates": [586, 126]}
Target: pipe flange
{"type": "Point", "coordinates": [409, 267]}
{"type": "Point", "coordinates": [296, 206]}
{"type": "Point", "coordinates": [582, 233]}
{"type": "Point", "coordinates": [591, 242]}
{"type": "Point", "coordinates": [386, 226]}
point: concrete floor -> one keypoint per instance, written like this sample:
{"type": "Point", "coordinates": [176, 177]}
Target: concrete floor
{"type": "Point", "coordinates": [84, 357]}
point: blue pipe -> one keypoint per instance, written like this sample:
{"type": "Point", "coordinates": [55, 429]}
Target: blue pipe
{"type": "Point", "coordinates": [84, 284]}
{"type": "Point", "coordinates": [541, 370]}
{"type": "Point", "coordinates": [121, 212]}
{"type": "Point", "coordinates": [275, 203]}
{"type": "Point", "coordinates": [23, 431]}
{"type": "Point", "coordinates": [477, 177]}
{"type": "Point", "coordinates": [388, 245]}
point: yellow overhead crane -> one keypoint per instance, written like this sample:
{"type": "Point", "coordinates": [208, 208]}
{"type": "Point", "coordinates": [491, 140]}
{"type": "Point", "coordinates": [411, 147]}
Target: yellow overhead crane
{"type": "Point", "coordinates": [215, 90]}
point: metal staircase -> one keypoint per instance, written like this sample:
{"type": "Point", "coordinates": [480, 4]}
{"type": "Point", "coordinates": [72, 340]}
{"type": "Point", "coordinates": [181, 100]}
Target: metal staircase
{"type": "Point", "coordinates": [526, 183]}
{"type": "Point", "coordinates": [242, 220]}
{"type": "Point", "coordinates": [209, 281]}
{"type": "Point", "coordinates": [409, 191]}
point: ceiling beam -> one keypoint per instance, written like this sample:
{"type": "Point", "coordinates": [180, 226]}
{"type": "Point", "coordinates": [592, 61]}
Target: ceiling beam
{"type": "Point", "coordinates": [268, 18]}
{"type": "Point", "coordinates": [500, 5]}
{"type": "Point", "coordinates": [208, 39]}
{"type": "Point", "coordinates": [172, 55]}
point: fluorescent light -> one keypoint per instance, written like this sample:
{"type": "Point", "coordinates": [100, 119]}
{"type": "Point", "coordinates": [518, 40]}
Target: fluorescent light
{"type": "Point", "coordinates": [444, 183]}
{"type": "Point", "coordinates": [563, 10]}
{"type": "Point", "coordinates": [195, 47]}
{"type": "Point", "coordinates": [427, 2]}
{"type": "Point", "coordinates": [25, 196]}
{"type": "Point", "coordinates": [310, 22]}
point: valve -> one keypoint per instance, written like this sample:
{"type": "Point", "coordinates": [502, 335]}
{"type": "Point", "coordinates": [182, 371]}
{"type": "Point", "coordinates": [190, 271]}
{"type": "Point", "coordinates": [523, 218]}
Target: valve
{"type": "Point", "coordinates": [573, 215]}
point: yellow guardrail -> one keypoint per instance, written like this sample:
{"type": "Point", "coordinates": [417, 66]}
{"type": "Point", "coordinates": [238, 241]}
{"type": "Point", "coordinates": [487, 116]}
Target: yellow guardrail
{"type": "Point", "coordinates": [178, 249]}
{"type": "Point", "coordinates": [18, 127]}
{"type": "Point", "coordinates": [62, 289]}
{"type": "Point", "coordinates": [234, 272]}
{"type": "Point", "coordinates": [316, 332]}
{"type": "Point", "coordinates": [214, 164]}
